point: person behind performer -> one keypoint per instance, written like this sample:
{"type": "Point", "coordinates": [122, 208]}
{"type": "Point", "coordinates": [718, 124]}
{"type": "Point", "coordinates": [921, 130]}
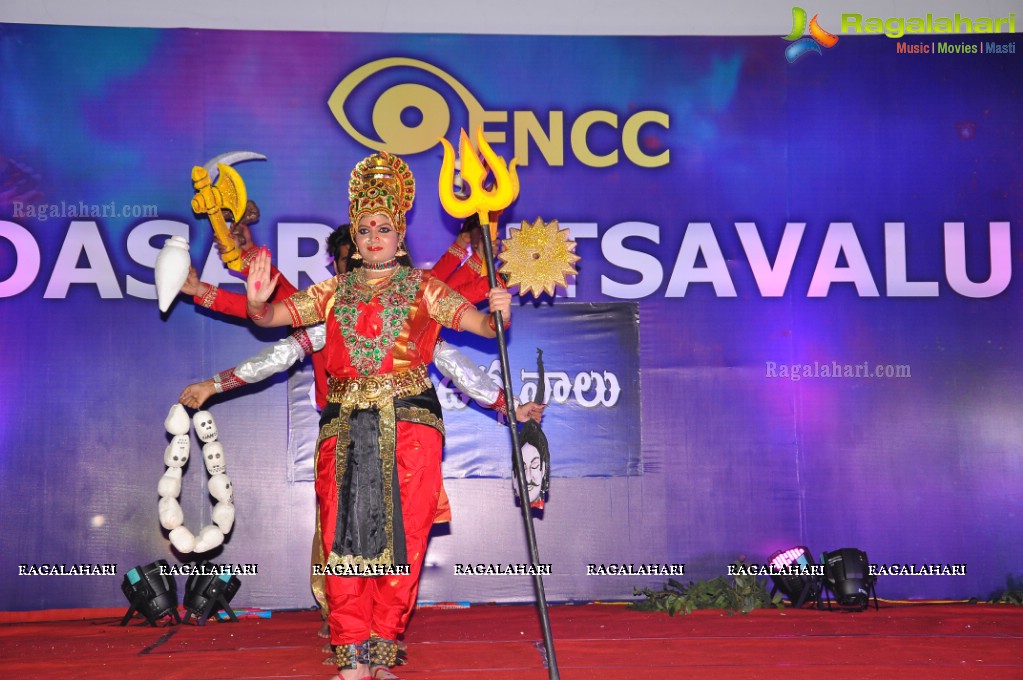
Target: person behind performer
{"type": "Point", "coordinates": [378, 463]}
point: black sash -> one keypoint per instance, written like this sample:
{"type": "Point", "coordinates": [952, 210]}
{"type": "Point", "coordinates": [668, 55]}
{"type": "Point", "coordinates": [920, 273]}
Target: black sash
{"type": "Point", "coordinates": [369, 528]}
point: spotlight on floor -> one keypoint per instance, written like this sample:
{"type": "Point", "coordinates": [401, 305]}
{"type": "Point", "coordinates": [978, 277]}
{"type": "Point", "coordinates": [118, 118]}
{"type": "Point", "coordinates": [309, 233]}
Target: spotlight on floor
{"type": "Point", "coordinates": [151, 590]}
{"type": "Point", "coordinates": [210, 588]}
{"type": "Point", "coordinates": [847, 576]}
{"type": "Point", "coordinates": [797, 579]}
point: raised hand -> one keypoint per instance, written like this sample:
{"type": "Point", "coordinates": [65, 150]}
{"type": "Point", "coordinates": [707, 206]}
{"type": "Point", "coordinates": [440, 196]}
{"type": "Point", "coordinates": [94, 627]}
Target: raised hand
{"type": "Point", "coordinates": [258, 285]}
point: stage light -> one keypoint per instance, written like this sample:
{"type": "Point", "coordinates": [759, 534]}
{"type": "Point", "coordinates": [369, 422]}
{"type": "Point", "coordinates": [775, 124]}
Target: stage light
{"type": "Point", "coordinates": [799, 587]}
{"type": "Point", "coordinates": [847, 576]}
{"type": "Point", "coordinates": [152, 591]}
{"type": "Point", "coordinates": [207, 591]}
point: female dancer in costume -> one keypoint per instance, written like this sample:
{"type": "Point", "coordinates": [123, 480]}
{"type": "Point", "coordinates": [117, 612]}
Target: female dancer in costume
{"type": "Point", "coordinates": [379, 450]}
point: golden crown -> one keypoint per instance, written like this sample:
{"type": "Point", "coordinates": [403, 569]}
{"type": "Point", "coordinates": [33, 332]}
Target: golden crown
{"type": "Point", "coordinates": [382, 182]}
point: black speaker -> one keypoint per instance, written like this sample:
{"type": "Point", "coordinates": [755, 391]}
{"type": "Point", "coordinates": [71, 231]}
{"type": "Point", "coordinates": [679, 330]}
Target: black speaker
{"type": "Point", "coordinates": [847, 576]}
{"type": "Point", "coordinates": [208, 591]}
{"type": "Point", "coordinates": [150, 590]}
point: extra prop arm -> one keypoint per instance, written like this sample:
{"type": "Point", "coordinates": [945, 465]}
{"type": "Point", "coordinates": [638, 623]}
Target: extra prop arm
{"type": "Point", "coordinates": [210, 199]}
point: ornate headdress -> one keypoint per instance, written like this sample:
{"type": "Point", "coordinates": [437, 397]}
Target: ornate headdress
{"type": "Point", "coordinates": [382, 182]}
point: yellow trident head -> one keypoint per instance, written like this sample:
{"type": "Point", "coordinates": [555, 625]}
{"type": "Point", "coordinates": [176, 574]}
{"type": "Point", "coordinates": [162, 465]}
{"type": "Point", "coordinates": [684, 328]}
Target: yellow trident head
{"type": "Point", "coordinates": [480, 200]}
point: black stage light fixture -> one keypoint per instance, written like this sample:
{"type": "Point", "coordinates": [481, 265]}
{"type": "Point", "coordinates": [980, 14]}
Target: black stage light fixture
{"type": "Point", "coordinates": [794, 575]}
{"type": "Point", "coordinates": [847, 576]}
{"type": "Point", "coordinates": [210, 588]}
{"type": "Point", "coordinates": [151, 590]}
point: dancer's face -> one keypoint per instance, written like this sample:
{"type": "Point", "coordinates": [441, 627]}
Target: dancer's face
{"type": "Point", "coordinates": [376, 238]}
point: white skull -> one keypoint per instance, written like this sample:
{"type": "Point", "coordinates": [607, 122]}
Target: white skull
{"type": "Point", "coordinates": [176, 453]}
{"type": "Point", "coordinates": [223, 515]}
{"type": "Point", "coordinates": [177, 420]}
{"type": "Point", "coordinates": [209, 538]}
{"type": "Point", "coordinates": [171, 515]}
{"type": "Point", "coordinates": [182, 539]}
{"type": "Point", "coordinates": [213, 456]}
{"type": "Point", "coordinates": [205, 428]}
{"type": "Point", "coordinates": [220, 488]}
{"type": "Point", "coordinates": [170, 483]}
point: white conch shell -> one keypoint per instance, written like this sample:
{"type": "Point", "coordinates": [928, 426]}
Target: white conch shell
{"type": "Point", "coordinates": [209, 538]}
{"type": "Point", "coordinates": [177, 421]}
{"type": "Point", "coordinates": [171, 515]}
{"type": "Point", "coordinates": [171, 270]}
{"type": "Point", "coordinates": [182, 539]}
{"type": "Point", "coordinates": [223, 516]}
{"type": "Point", "coordinates": [170, 483]}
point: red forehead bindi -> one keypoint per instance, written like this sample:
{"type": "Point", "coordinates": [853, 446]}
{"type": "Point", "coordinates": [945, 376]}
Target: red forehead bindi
{"type": "Point", "coordinates": [372, 223]}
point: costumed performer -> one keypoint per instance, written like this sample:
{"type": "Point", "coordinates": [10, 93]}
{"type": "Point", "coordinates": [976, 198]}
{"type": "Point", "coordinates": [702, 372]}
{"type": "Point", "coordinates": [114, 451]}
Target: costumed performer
{"type": "Point", "coordinates": [379, 449]}
{"type": "Point", "coordinates": [473, 380]}
{"type": "Point", "coordinates": [460, 270]}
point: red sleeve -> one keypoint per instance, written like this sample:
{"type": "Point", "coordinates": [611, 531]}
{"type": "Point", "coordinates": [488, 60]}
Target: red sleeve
{"type": "Point", "coordinates": [469, 282]}
{"type": "Point", "coordinates": [448, 262]}
{"type": "Point", "coordinates": [235, 304]}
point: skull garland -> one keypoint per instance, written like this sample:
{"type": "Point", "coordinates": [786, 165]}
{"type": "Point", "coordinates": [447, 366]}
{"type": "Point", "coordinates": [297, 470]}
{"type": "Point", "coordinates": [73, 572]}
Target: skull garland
{"type": "Point", "coordinates": [176, 456]}
{"type": "Point", "coordinates": [220, 488]}
{"type": "Point", "coordinates": [171, 515]}
{"type": "Point", "coordinates": [213, 456]}
{"type": "Point", "coordinates": [170, 483]}
{"type": "Point", "coordinates": [205, 428]}
{"type": "Point", "coordinates": [223, 516]}
{"type": "Point", "coordinates": [177, 420]}
{"type": "Point", "coordinates": [176, 453]}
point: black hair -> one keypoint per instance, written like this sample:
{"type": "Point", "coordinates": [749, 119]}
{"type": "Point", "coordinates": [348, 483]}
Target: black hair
{"type": "Point", "coordinates": [471, 222]}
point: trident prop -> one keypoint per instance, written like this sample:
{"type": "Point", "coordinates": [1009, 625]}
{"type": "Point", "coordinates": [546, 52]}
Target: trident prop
{"type": "Point", "coordinates": [484, 202]}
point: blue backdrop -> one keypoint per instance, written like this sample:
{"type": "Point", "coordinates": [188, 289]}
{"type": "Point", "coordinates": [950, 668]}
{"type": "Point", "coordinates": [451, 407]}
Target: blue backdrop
{"type": "Point", "coordinates": [769, 224]}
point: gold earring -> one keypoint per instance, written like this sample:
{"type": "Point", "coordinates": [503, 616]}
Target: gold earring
{"type": "Point", "coordinates": [401, 252]}
{"type": "Point", "coordinates": [356, 255]}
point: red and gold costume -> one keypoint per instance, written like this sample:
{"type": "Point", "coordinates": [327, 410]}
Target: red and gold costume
{"type": "Point", "coordinates": [378, 471]}
{"type": "Point", "coordinates": [378, 474]}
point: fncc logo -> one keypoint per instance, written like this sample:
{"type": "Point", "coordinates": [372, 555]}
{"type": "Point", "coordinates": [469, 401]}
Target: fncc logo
{"type": "Point", "coordinates": [396, 135]}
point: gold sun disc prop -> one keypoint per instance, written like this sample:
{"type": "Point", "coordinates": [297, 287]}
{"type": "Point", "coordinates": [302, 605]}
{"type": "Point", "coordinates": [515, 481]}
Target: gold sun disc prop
{"type": "Point", "coordinates": [538, 256]}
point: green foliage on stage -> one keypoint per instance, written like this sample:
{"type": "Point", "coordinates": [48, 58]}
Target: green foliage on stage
{"type": "Point", "coordinates": [743, 593]}
{"type": "Point", "coordinates": [1011, 594]}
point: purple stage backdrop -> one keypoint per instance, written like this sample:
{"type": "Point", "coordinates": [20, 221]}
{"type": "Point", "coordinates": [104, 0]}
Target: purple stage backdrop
{"type": "Point", "coordinates": [795, 320]}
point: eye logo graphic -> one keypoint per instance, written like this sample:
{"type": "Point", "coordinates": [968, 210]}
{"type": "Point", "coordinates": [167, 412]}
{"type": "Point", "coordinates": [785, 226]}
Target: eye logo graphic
{"type": "Point", "coordinates": [818, 36]}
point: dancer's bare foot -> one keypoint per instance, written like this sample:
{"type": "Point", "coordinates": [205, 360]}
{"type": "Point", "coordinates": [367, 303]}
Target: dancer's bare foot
{"type": "Point", "coordinates": [330, 661]}
{"type": "Point", "coordinates": [382, 673]}
{"type": "Point", "coordinates": [324, 631]}
{"type": "Point", "coordinates": [360, 673]}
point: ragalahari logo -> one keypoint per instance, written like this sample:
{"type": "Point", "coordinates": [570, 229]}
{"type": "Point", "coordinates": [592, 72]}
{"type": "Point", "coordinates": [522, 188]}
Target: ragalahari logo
{"type": "Point", "coordinates": [818, 36]}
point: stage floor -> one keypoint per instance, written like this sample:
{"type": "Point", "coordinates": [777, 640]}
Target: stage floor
{"type": "Point", "coordinates": [494, 642]}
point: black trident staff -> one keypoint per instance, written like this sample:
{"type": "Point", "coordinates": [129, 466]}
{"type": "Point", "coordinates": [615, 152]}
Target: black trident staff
{"type": "Point", "coordinates": [485, 202]}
